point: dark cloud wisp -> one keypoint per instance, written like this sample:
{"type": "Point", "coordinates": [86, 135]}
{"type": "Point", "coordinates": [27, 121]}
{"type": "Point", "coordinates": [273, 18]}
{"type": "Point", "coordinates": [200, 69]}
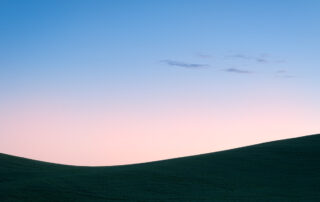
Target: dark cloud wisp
{"type": "Point", "coordinates": [239, 71]}
{"type": "Point", "coordinates": [259, 59]}
{"type": "Point", "coordinates": [242, 56]}
{"type": "Point", "coordinates": [184, 64]}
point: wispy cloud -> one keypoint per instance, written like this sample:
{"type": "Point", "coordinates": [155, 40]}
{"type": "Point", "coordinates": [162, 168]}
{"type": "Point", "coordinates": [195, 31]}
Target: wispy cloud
{"type": "Point", "coordinates": [236, 70]}
{"type": "Point", "coordinates": [234, 62]}
{"type": "Point", "coordinates": [184, 64]}
{"type": "Point", "coordinates": [263, 58]}
{"type": "Point", "coordinates": [241, 56]}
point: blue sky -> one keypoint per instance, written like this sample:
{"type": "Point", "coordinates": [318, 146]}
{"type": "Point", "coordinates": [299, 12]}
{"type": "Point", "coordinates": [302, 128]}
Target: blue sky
{"type": "Point", "coordinates": [139, 56]}
{"type": "Point", "coordinates": [55, 37]}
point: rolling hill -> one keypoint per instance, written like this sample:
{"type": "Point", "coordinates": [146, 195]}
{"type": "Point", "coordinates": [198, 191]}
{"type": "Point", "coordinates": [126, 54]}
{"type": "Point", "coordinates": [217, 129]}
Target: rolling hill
{"type": "Point", "coordinates": [285, 170]}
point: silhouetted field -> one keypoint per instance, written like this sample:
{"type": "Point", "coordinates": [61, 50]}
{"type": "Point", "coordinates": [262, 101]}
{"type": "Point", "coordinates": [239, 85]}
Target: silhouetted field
{"type": "Point", "coordinates": [286, 170]}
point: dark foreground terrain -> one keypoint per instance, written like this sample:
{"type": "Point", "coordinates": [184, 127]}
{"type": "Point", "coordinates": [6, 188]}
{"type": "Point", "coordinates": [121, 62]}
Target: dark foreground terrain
{"type": "Point", "coordinates": [286, 170]}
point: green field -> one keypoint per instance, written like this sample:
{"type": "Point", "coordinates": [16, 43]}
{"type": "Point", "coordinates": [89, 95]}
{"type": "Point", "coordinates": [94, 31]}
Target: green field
{"type": "Point", "coordinates": [286, 170]}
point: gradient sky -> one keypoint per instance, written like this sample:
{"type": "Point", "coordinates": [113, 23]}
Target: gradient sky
{"type": "Point", "coordinates": [117, 82]}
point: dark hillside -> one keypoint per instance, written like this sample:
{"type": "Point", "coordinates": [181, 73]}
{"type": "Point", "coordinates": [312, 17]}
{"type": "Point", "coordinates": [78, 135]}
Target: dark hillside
{"type": "Point", "coordinates": [286, 170]}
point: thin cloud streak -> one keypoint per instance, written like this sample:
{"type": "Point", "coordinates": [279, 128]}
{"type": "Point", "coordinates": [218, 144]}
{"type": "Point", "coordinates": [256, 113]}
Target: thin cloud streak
{"type": "Point", "coordinates": [239, 71]}
{"type": "Point", "coordinates": [263, 58]}
{"type": "Point", "coordinates": [242, 56]}
{"type": "Point", "coordinates": [184, 64]}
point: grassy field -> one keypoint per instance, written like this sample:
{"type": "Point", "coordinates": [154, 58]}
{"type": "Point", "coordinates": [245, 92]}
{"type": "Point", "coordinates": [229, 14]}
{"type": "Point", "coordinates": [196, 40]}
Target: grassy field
{"type": "Point", "coordinates": [286, 170]}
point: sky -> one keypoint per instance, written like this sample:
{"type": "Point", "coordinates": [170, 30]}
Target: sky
{"type": "Point", "coordinates": [118, 82]}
